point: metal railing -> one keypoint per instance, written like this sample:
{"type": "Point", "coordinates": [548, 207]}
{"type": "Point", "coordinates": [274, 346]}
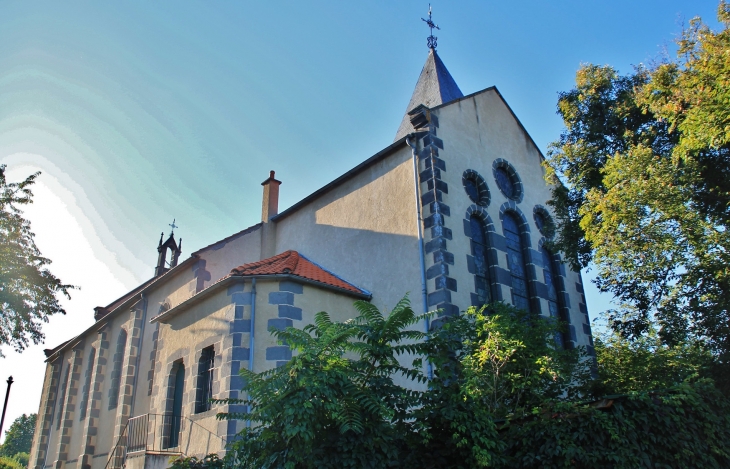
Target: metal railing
{"type": "Point", "coordinates": [164, 434]}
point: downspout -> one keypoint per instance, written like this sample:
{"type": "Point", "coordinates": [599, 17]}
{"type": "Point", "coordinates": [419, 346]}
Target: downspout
{"type": "Point", "coordinates": [251, 334]}
{"type": "Point", "coordinates": [421, 250]}
{"type": "Point", "coordinates": [139, 351]}
{"type": "Point", "coordinates": [253, 319]}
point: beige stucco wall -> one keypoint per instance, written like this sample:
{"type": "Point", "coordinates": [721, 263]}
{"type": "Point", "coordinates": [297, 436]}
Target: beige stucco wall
{"type": "Point", "coordinates": [312, 300]}
{"type": "Point", "coordinates": [223, 256]}
{"type": "Point", "coordinates": [364, 230]}
{"type": "Point", "coordinates": [181, 338]}
{"type": "Point", "coordinates": [476, 131]}
{"type": "Point", "coordinates": [210, 322]}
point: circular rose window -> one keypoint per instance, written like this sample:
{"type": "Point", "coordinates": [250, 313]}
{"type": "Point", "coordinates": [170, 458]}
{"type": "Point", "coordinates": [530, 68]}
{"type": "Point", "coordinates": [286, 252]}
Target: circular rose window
{"type": "Point", "coordinates": [475, 187]}
{"type": "Point", "coordinates": [507, 180]}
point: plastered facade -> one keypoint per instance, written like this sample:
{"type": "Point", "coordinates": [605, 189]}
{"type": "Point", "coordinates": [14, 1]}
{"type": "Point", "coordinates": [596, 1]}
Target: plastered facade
{"type": "Point", "coordinates": [363, 227]}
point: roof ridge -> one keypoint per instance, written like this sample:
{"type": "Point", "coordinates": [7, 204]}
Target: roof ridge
{"type": "Point", "coordinates": [228, 238]}
{"type": "Point", "coordinates": [294, 263]}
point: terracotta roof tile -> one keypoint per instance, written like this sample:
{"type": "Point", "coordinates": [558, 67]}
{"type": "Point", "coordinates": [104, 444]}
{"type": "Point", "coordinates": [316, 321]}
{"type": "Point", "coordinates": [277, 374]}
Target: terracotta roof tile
{"type": "Point", "coordinates": [293, 263]}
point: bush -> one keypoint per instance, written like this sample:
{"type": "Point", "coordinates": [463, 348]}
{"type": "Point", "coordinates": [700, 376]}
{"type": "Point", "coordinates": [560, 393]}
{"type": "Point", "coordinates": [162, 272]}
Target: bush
{"type": "Point", "coordinates": [685, 426]}
{"type": "Point", "coordinates": [22, 458]}
{"type": "Point", "coordinates": [211, 461]}
{"type": "Point", "coordinates": [10, 463]}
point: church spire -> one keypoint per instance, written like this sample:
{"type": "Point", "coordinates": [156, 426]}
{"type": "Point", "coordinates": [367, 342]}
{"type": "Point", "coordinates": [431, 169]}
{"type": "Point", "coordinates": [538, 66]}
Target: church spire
{"type": "Point", "coordinates": [435, 86]}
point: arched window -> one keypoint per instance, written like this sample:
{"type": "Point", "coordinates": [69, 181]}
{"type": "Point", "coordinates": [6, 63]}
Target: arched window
{"type": "Point", "coordinates": [479, 250]}
{"type": "Point", "coordinates": [62, 397]}
{"type": "Point", "coordinates": [516, 260]}
{"type": "Point", "coordinates": [204, 393]}
{"type": "Point", "coordinates": [117, 370]}
{"type": "Point", "coordinates": [554, 301]}
{"type": "Point", "coordinates": [87, 384]}
{"type": "Point", "coordinates": [173, 419]}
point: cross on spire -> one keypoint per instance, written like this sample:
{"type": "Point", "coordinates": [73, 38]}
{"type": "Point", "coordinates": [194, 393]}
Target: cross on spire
{"type": "Point", "coordinates": [173, 225]}
{"type": "Point", "coordinates": [431, 39]}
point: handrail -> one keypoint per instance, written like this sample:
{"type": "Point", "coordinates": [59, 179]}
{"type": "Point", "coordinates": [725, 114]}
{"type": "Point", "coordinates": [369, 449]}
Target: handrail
{"type": "Point", "coordinates": [164, 434]}
{"type": "Point", "coordinates": [119, 447]}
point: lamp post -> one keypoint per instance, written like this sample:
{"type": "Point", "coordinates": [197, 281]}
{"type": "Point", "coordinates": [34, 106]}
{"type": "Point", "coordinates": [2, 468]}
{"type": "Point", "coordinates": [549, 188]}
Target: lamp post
{"type": "Point", "coordinates": [5, 406]}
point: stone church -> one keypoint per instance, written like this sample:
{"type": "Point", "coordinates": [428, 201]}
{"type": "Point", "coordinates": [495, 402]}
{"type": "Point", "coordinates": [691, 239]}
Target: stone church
{"type": "Point", "coordinates": [453, 211]}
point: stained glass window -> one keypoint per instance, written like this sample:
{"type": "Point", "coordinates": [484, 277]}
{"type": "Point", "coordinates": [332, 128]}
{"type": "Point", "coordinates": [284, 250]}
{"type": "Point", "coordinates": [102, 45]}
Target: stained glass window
{"type": "Point", "coordinates": [505, 182]}
{"type": "Point", "coordinates": [475, 187]}
{"type": "Point", "coordinates": [516, 261]}
{"type": "Point", "coordinates": [479, 250]}
{"type": "Point", "coordinates": [470, 186]}
{"type": "Point", "coordinates": [554, 303]}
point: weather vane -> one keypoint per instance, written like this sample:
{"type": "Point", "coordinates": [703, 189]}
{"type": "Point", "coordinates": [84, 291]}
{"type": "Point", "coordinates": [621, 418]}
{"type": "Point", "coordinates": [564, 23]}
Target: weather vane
{"type": "Point", "coordinates": [431, 39]}
{"type": "Point", "coordinates": [173, 225]}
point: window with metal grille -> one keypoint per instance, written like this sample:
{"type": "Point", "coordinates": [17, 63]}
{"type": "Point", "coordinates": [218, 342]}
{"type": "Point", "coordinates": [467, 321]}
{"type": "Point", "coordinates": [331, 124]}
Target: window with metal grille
{"type": "Point", "coordinates": [206, 365]}
{"type": "Point", "coordinates": [516, 261]}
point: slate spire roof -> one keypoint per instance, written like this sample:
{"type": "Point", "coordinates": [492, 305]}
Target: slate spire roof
{"type": "Point", "coordinates": [435, 86]}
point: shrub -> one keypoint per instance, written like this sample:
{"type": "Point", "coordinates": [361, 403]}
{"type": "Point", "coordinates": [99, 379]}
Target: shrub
{"type": "Point", "coordinates": [10, 463]}
{"type": "Point", "coordinates": [685, 426]}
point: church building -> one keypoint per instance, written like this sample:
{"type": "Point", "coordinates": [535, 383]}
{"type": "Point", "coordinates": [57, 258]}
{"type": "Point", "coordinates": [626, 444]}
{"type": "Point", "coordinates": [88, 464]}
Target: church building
{"type": "Point", "coordinates": [454, 211]}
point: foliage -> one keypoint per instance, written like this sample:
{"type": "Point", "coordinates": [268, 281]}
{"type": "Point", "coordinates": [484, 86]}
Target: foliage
{"type": "Point", "coordinates": [344, 400]}
{"type": "Point", "coordinates": [211, 461]}
{"type": "Point", "coordinates": [323, 409]}
{"type": "Point", "coordinates": [491, 363]}
{"type": "Point", "coordinates": [646, 363]}
{"type": "Point", "coordinates": [10, 463]}
{"type": "Point", "coordinates": [646, 159]}
{"type": "Point", "coordinates": [686, 426]}
{"type": "Point", "coordinates": [512, 362]}
{"type": "Point", "coordinates": [27, 289]}
{"type": "Point", "coordinates": [502, 395]}
{"type": "Point", "coordinates": [22, 458]}
{"type": "Point", "coordinates": [19, 437]}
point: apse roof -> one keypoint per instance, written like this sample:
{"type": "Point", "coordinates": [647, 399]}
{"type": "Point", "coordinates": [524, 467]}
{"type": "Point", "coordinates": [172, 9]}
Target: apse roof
{"type": "Point", "coordinates": [435, 86]}
{"type": "Point", "coordinates": [294, 264]}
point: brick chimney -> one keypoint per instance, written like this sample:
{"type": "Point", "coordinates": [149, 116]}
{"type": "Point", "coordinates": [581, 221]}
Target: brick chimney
{"type": "Point", "coordinates": [270, 203]}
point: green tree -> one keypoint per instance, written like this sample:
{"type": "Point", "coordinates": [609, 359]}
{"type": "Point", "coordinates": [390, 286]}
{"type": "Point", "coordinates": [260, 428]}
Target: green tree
{"type": "Point", "coordinates": [19, 437]}
{"type": "Point", "coordinates": [646, 162]}
{"type": "Point", "coordinates": [346, 400]}
{"type": "Point", "coordinates": [324, 409]}
{"type": "Point", "coordinates": [491, 364]}
{"type": "Point", "coordinates": [646, 364]}
{"type": "Point", "coordinates": [28, 290]}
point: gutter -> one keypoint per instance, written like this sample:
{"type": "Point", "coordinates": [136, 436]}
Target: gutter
{"type": "Point", "coordinates": [251, 337]}
{"type": "Point", "coordinates": [252, 328]}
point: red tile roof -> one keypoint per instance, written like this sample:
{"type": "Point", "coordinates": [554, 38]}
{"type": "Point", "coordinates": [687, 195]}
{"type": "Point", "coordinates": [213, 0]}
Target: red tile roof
{"type": "Point", "coordinates": [292, 263]}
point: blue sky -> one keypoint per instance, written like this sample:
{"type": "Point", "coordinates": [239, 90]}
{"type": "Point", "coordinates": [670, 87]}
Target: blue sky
{"type": "Point", "coordinates": [141, 112]}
